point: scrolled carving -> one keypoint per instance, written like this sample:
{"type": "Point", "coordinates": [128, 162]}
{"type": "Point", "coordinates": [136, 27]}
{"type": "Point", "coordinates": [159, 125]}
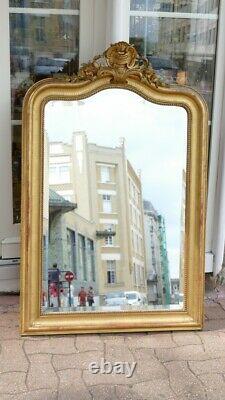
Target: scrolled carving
{"type": "Point", "coordinates": [121, 56]}
{"type": "Point", "coordinates": [119, 62]}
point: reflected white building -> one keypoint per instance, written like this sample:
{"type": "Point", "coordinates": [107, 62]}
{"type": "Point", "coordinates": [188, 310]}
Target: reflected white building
{"type": "Point", "coordinates": [108, 197]}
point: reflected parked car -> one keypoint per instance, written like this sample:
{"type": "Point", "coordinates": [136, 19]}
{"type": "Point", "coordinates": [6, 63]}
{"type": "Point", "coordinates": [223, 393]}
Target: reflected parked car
{"type": "Point", "coordinates": [135, 298]}
{"type": "Point", "coordinates": [115, 299]}
{"type": "Point", "coordinates": [165, 68]}
{"type": "Point", "coordinates": [48, 66]}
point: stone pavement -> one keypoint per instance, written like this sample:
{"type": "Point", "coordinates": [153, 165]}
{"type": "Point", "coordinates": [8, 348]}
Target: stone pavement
{"type": "Point", "coordinates": [170, 366]}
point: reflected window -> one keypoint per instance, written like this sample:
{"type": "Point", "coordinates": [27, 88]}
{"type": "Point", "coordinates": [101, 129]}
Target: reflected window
{"type": "Point", "coordinates": [107, 203]}
{"type": "Point", "coordinates": [59, 173]}
{"type": "Point", "coordinates": [82, 256]}
{"type": "Point", "coordinates": [109, 239]}
{"type": "Point", "coordinates": [91, 259]}
{"type": "Point", "coordinates": [181, 48]}
{"type": "Point", "coordinates": [105, 174]}
{"type": "Point", "coordinates": [135, 274]}
{"type": "Point", "coordinates": [71, 250]}
{"type": "Point", "coordinates": [111, 271]}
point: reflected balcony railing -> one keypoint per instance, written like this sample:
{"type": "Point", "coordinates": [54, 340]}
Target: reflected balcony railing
{"type": "Point", "coordinates": [105, 233]}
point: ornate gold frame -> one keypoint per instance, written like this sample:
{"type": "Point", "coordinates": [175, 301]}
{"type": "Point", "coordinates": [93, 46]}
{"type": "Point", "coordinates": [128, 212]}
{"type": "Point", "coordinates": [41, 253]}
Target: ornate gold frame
{"type": "Point", "coordinates": [119, 67]}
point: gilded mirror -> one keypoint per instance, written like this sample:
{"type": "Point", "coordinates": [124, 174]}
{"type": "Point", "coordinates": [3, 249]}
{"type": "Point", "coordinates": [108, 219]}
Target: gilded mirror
{"type": "Point", "coordinates": [113, 205]}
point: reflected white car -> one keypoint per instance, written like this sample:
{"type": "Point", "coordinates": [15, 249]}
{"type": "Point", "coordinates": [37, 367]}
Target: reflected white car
{"type": "Point", "coordinates": [115, 299]}
{"type": "Point", "coordinates": [135, 298]}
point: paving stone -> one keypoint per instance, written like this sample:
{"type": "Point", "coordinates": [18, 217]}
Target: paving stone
{"type": "Point", "coordinates": [185, 338]}
{"type": "Point", "coordinates": [41, 376]}
{"type": "Point", "coordinates": [89, 342]}
{"type": "Point", "coordinates": [103, 392]}
{"type": "Point", "coordinates": [78, 361]}
{"type": "Point", "coordinates": [10, 309]}
{"type": "Point", "coordinates": [154, 390]}
{"type": "Point", "coordinates": [214, 343]}
{"type": "Point", "coordinates": [214, 311]}
{"type": "Point", "coordinates": [9, 300]}
{"type": "Point", "coordinates": [124, 393]}
{"type": "Point", "coordinates": [151, 370]}
{"type": "Point", "coordinates": [115, 353]}
{"type": "Point", "coordinates": [12, 357]}
{"type": "Point", "coordinates": [9, 319]}
{"type": "Point", "coordinates": [71, 386]}
{"type": "Point", "coordinates": [54, 345]}
{"type": "Point", "coordinates": [91, 379]}
{"type": "Point", "coordinates": [159, 340]}
{"type": "Point", "coordinates": [40, 358]}
{"type": "Point", "coordinates": [42, 394]}
{"type": "Point", "coordinates": [222, 303]}
{"type": "Point", "coordinates": [214, 325]}
{"type": "Point", "coordinates": [183, 382]}
{"type": "Point", "coordinates": [214, 385]}
{"type": "Point", "coordinates": [7, 333]}
{"type": "Point", "coordinates": [215, 366]}
{"type": "Point", "coordinates": [113, 340]}
{"type": "Point", "coordinates": [141, 355]}
{"type": "Point", "coordinates": [183, 353]}
{"type": "Point", "coordinates": [8, 397]}
{"type": "Point", "coordinates": [12, 382]}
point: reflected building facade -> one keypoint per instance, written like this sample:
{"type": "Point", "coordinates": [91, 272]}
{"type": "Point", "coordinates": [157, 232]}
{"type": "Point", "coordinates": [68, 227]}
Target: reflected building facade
{"type": "Point", "coordinates": [157, 264]}
{"type": "Point", "coordinates": [107, 219]}
{"type": "Point", "coordinates": [69, 239]}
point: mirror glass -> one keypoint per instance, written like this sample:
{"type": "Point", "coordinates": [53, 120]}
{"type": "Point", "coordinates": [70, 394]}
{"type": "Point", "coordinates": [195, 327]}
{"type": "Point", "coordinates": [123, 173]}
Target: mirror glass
{"type": "Point", "coordinates": [113, 204]}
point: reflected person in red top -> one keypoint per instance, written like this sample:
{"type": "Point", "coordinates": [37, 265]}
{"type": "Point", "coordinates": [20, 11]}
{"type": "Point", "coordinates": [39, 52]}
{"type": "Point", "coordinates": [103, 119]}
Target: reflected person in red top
{"type": "Point", "coordinates": [53, 293]}
{"type": "Point", "coordinates": [82, 297]}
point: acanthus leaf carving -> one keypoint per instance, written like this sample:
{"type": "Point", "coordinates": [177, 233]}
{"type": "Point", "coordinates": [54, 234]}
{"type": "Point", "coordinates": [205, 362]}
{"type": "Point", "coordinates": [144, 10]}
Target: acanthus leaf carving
{"type": "Point", "coordinates": [119, 62]}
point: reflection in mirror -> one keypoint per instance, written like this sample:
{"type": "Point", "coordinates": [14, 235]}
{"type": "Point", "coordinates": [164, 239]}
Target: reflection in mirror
{"type": "Point", "coordinates": [114, 204]}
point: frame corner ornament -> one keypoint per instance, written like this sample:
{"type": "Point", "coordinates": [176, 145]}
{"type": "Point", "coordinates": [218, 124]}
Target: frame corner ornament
{"type": "Point", "coordinates": [119, 62]}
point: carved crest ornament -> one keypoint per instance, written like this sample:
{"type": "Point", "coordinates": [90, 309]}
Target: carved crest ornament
{"type": "Point", "coordinates": [119, 62]}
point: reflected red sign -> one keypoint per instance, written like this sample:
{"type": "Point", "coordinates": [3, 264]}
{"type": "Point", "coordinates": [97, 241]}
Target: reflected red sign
{"type": "Point", "coordinates": [69, 276]}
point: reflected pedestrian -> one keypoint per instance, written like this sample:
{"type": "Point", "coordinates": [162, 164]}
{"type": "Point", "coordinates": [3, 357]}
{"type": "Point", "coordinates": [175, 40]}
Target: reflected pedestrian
{"type": "Point", "coordinates": [82, 297]}
{"type": "Point", "coordinates": [53, 293]}
{"type": "Point", "coordinates": [90, 296]}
